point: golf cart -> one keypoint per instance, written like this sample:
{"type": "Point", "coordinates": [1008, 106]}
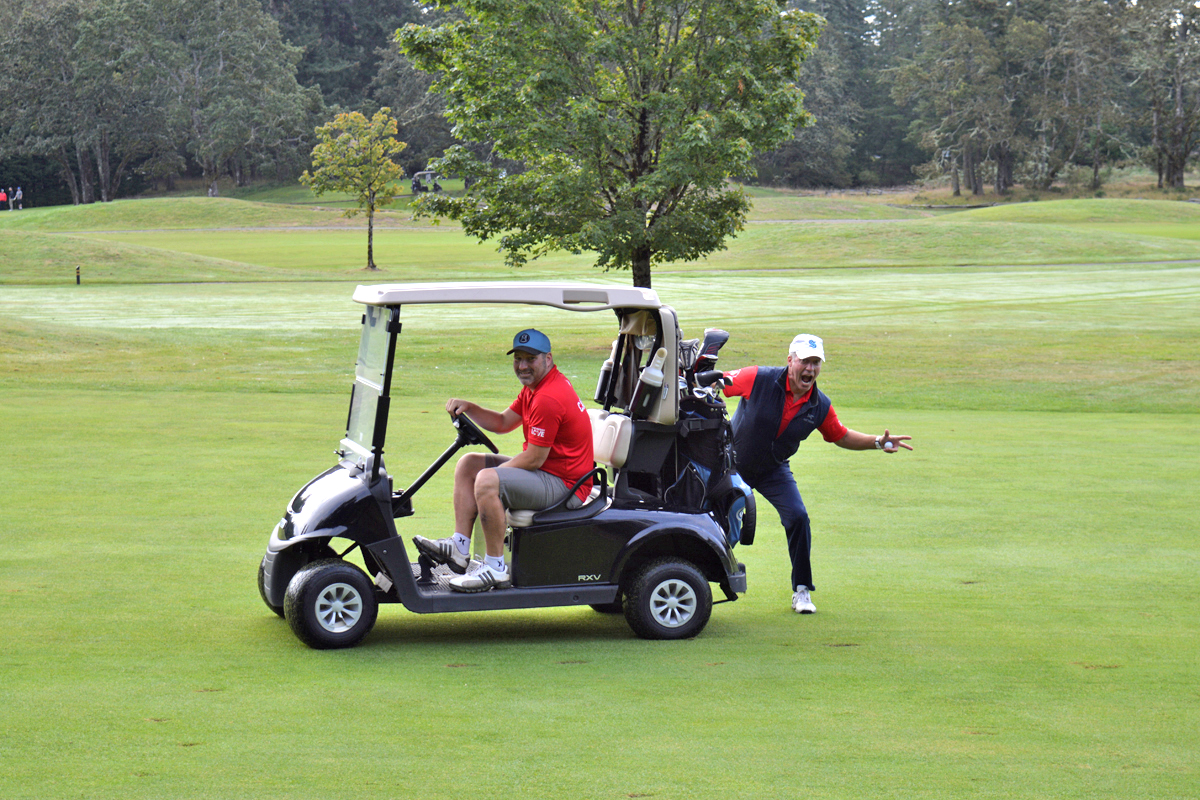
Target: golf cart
{"type": "Point", "coordinates": [665, 511]}
{"type": "Point", "coordinates": [425, 181]}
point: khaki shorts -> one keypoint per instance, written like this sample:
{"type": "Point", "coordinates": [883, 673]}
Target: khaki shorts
{"type": "Point", "coordinates": [522, 488]}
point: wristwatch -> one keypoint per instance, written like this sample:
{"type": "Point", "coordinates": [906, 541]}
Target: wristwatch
{"type": "Point", "coordinates": [878, 442]}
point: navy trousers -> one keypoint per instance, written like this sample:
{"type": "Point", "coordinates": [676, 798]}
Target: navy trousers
{"type": "Point", "coordinates": [779, 487]}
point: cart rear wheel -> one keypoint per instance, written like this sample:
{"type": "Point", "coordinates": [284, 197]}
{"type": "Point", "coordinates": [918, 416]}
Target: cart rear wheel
{"type": "Point", "coordinates": [330, 604]}
{"type": "Point", "coordinates": [668, 599]}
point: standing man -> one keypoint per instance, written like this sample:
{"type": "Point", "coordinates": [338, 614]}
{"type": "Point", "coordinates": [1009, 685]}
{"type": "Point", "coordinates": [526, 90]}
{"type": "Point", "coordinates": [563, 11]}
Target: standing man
{"type": "Point", "coordinates": [780, 407]}
{"type": "Point", "coordinates": [557, 452]}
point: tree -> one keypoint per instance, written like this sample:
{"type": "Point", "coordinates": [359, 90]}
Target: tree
{"type": "Point", "coordinates": [354, 155]}
{"type": "Point", "coordinates": [68, 99]}
{"type": "Point", "coordinates": [1092, 54]}
{"type": "Point", "coordinates": [629, 118]}
{"type": "Point", "coordinates": [822, 154]}
{"type": "Point", "coordinates": [420, 113]}
{"type": "Point", "coordinates": [343, 42]}
{"type": "Point", "coordinates": [1166, 59]}
{"type": "Point", "coordinates": [225, 82]}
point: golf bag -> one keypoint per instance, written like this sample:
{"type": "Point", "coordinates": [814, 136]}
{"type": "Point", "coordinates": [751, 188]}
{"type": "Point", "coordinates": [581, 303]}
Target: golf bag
{"type": "Point", "coordinates": [707, 478]}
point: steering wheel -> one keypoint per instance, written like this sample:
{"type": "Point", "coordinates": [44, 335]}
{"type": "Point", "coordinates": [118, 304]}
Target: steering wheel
{"type": "Point", "coordinates": [471, 434]}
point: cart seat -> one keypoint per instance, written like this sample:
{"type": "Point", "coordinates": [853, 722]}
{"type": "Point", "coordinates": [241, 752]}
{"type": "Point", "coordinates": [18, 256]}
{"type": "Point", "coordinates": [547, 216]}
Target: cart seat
{"type": "Point", "coordinates": [611, 434]}
{"type": "Point", "coordinates": [523, 517]}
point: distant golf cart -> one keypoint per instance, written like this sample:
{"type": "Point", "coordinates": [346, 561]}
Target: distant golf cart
{"type": "Point", "coordinates": [426, 181]}
{"type": "Point", "coordinates": [665, 511]}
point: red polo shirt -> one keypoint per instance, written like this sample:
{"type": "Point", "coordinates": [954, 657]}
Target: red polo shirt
{"type": "Point", "coordinates": [743, 383]}
{"type": "Point", "coordinates": [552, 415]}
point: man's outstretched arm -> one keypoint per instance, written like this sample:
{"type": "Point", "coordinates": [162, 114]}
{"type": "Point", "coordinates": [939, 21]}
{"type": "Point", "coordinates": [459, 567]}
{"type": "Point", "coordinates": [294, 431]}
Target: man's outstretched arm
{"type": "Point", "coordinates": [888, 442]}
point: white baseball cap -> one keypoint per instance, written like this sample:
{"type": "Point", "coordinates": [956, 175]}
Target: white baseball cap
{"type": "Point", "coordinates": [806, 345]}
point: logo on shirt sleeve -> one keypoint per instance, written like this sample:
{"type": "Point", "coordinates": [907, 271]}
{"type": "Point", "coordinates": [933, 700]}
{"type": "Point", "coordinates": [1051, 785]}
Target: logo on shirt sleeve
{"type": "Point", "coordinates": [539, 433]}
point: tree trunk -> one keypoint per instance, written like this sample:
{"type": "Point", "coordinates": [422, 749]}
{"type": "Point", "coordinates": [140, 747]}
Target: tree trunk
{"type": "Point", "coordinates": [971, 170]}
{"type": "Point", "coordinates": [1176, 167]}
{"type": "Point", "coordinates": [101, 149]}
{"type": "Point", "coordinates": [641, 267]}
{"type": "Point", "coordinates": [1156, 143]}
{"type": "Point", "coordinates": [1179, 145]}
{"type": "Point", "coordinates": [63, 159]}
{"type": "Point", "coordinates": [371, 230]}
{"type": "Point", "coordinates": [954, 175]}
{"type": "Point", "coordinates": [86, 191]}
{"type": "Point", "coordinates": [1004, 169]}
{"type": "Point", "coordinates": [1180, 141]}
{"type": "Point", "coordinates": [211, 176]}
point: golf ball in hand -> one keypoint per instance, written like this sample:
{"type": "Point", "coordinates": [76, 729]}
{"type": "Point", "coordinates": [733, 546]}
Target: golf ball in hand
{"type": "Point", "coordinates": [889, 446]}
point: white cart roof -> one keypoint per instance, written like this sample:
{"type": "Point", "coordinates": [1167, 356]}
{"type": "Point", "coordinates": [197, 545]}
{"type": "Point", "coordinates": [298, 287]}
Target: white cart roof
{"type": "Point", "coordinates": [571, 296]}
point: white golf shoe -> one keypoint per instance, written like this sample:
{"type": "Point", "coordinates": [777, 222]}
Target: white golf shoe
{"type": "Point", "coordinates": [480, 577]}
{"type": "Point", "coordinates": [443, 551]}
{"type": "Point", "coordinates": [801, 602]}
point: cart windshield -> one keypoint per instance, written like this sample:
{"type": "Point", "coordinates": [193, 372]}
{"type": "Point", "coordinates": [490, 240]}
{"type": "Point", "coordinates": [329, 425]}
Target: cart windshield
{"type": "Point", "coordinates": [369, 382]}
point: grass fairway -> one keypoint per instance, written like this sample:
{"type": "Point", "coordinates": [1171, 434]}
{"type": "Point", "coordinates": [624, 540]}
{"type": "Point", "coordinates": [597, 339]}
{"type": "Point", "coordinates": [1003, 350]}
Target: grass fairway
{"type": "Point", "coordinates": [1008, 611]}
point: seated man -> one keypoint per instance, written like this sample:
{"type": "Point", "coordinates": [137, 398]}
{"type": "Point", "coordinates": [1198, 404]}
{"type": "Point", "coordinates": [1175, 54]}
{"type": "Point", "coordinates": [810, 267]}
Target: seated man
{"type": "Point", "coordinates": [557, 452]}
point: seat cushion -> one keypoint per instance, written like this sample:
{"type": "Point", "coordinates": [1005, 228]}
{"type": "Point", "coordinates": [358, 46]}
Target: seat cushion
{"type": "Point", "coordinates": [523, 517]}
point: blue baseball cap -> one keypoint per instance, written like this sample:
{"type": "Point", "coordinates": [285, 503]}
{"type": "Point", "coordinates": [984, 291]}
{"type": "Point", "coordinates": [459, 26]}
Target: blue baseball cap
{"type": "Point", "coordinates": [530, 341]}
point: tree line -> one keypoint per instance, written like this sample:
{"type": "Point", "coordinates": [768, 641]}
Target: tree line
{"type": "Point", "coordinates": [102, 97]}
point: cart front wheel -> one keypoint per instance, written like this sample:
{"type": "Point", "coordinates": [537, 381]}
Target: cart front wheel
{"type": "Point", "coordinates": [330, 604]}
{"type": "Point", "coordinates": [668, 599]}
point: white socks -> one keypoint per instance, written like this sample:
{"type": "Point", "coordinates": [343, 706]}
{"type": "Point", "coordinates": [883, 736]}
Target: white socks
{"type": "Point", "coordinates": [463, 543]}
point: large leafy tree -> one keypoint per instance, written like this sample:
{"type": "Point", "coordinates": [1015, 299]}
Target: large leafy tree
{"type": "Point", "coordinates": [226, 81]}
{"type": "Point", "coordinates": [1166, 60]}
{"type": "Point", "coordinates": [103, 86]}
{"type": "Point", "coordinates": [357, 155]}
{"type": "Point", "coordinates": [67, 98]}
{"type": "Point", "coordinates": [628, 117]}
{"type": "Point", "coordinates": [343, 42]}
{"type": "Point", "coordinates": [420, 112]}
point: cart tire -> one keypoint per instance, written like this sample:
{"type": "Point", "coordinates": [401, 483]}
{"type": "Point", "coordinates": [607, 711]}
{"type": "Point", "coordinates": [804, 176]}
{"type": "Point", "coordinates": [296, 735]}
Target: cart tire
{"type": "Point", "coordinates": [262, 589]}
{"type": "Point", "coordinates": [330, 604]}
{"type": "Point", "coordinates": [668, 599]}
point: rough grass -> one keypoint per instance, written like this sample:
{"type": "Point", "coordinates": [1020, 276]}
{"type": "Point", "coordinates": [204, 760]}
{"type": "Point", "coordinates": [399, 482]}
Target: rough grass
{"type": "Point", "coordinates": [1071, 212]}
{"type": "Point", "coordinates": [216, 239]}
{"type": "Point", "coordinates": [189, 213]}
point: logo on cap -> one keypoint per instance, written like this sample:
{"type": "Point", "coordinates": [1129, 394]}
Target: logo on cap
{"type": "Point", "coordinates": [530, 340]}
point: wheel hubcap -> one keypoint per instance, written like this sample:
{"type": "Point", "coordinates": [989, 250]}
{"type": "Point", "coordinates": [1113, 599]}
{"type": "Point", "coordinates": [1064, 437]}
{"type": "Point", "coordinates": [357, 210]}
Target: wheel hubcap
{"type": "Point", "coordinates": [339, 607]}
{"type": "Point", "coordinates": [673, 603]}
